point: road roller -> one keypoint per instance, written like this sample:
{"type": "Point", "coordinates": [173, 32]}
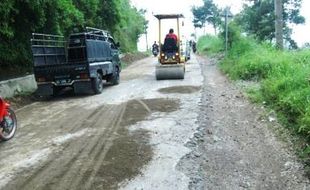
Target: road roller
{"type": "Point", "coordinates": [170, 64]}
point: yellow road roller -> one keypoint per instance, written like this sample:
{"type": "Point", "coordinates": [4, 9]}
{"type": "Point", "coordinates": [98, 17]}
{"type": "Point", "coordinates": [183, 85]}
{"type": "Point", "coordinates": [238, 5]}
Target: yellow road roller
{"type": "Point", "coordinates": [170, 64]}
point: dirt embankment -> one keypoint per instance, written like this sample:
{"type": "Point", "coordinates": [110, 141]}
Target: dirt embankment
{"type": "Point", "coordinates": [130, 58]}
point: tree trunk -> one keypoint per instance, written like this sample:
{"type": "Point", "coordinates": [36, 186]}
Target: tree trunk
{"type": "Point", "coordinates": [215, 31]}
{"type": "Point", "coordinates": [279, 23]}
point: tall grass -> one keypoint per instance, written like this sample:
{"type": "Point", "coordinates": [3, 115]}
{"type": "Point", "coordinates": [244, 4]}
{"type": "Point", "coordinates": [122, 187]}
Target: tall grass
{"type": "Point", "coordinates": [284, 77]}
{"type": "Point", "coordinates": [209, 44]}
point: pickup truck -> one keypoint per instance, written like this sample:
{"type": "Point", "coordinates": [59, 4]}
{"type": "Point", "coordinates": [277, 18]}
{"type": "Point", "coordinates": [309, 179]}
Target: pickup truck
{"type": "Point", "coordinates": [82, 62]}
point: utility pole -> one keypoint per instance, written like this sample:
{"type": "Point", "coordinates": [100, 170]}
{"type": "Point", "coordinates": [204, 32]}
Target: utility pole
{"type": "Point", "coordinates": [278, 4]}
{"type": "Point", "coordinates": [147, 44]}
{"type": "Point", "coordinates": [227, 14]}
{"type": "Point", "coordinates": [226, 30]}
{"type": "Point", "coordinates": [145, 32]}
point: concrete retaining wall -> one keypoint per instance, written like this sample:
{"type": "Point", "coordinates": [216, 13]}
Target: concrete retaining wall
{"type": "Point", "coordinates": [17, 86]}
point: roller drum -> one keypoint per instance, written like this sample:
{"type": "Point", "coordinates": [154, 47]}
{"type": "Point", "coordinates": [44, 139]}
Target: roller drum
{"type": "Point", "coordinates": [175, 71]}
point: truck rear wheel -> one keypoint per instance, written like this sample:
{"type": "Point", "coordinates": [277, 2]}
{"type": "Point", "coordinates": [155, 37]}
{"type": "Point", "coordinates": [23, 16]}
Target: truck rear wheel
{"type": "Point", "coordinates": [97, 84]}
{"type": "Point", "coordinates": [114, 78]}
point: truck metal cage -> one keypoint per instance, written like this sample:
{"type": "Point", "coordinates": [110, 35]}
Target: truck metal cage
{"type": "Point", "coordinates": [100, 32]}
{"type": "Point", "coordinates": [93, 45]}
{"type": "Point", "coordinates": [48, 49]}
{"type": "Point", "coordinates": [90, 46]}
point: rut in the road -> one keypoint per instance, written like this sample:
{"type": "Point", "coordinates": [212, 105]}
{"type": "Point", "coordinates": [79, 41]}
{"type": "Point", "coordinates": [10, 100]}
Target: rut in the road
{"type": "Point", "coordinates": [105, 155]}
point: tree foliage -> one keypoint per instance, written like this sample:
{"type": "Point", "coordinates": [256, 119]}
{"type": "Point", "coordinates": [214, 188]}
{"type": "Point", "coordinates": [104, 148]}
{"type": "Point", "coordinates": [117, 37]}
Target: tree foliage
{"type": "Point", "coordinates": [207, 13]}
{"type": "Point", "coordinates": [20, 18]}
{"type": "Point", "coordinates": [257, 18]}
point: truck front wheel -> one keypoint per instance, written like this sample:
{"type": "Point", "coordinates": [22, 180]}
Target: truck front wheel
{"type": "Point", "coordinates": [97, 84]}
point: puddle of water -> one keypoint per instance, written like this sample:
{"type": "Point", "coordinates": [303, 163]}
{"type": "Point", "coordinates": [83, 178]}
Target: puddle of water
{"type": "Point", "coordinates": [138, 110]}
{"type": "Point", "coordinates": [180, 89]}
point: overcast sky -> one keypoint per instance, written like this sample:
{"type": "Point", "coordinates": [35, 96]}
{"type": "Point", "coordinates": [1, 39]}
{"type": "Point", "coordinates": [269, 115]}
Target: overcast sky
{"type": "Point", "coordinates": [300, 33]}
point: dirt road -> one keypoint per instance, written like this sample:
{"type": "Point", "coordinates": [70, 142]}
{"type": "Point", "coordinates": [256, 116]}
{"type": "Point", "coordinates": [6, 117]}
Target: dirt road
{"type": "Point", "coordinates": [196, 133]}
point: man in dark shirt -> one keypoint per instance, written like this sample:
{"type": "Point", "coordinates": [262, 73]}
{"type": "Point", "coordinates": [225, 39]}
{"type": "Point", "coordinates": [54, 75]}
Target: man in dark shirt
{"type": "Point", "coordinates": [155, 46]}
{"type": "Point", "coordinates": [170, 41]}
{"type": "Point", "coordinates": [172, 35]}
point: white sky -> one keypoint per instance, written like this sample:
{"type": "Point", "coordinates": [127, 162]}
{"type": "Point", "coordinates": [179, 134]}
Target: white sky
{"type": "Point", "coordinates": [300, 33]}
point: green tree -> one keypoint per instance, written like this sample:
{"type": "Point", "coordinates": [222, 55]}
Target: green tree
{"type": "Point", "coordinates": [90, 10]}
{"type": "Point", "coordinates": [257, 18]}
{"type": "Point", "coordinates": [131, 27]}
{"type": "Point", "coordinates": [207, 13]}
{"type": "Point", "coordinates": [233, 34]}
{"type": "Point", "coordinates": [20, 18]}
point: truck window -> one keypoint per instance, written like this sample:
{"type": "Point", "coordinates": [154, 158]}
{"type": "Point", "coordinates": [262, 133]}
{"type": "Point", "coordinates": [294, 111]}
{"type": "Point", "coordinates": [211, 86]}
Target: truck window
{"type": "Point", "coordinates": [111, 41]}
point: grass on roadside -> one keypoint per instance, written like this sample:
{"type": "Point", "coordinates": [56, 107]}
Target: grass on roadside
{"type": "Point", "coordinates": [209, 44]}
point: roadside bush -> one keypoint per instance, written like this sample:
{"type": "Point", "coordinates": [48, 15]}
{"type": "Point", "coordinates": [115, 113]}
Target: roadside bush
{"type": "Point", "coordinates": [209, 44]}
{"type": "Point", "coordinates": [248, 60]}
{"type": "Point", "coordinates": [233, 34]}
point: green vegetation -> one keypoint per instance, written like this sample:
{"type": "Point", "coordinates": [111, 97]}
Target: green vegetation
{"type": "Point", "coordinates": [209, 44]}
{"type": "Point", "coordinates": [18, 19]}
{"type": "Point", "coordinates": [207, 13]}
{"type": "Point", "coordinates": [284, 78]}
{"type": "Point", "coordinates": [257, 18]}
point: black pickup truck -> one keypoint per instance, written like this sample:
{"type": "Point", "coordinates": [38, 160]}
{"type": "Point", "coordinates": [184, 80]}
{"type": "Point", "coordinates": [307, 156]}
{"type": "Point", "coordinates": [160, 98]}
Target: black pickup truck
{"type": "Point", "coordinates": [81, 62]}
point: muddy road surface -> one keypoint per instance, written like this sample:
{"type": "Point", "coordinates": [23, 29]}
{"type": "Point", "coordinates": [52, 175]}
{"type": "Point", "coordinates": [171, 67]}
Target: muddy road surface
{"type": "Point", "coordinates": [196, 133]}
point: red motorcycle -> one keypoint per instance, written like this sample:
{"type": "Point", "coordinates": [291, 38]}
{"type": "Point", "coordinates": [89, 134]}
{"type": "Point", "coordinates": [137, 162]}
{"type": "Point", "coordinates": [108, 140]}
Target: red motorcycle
{"type": "Point", "coordinates": [8, 121]}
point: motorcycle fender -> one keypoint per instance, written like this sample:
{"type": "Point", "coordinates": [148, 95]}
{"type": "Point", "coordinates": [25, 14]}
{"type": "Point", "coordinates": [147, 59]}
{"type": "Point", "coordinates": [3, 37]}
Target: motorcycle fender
{"type": "Point", "coordinates": [3, 108]}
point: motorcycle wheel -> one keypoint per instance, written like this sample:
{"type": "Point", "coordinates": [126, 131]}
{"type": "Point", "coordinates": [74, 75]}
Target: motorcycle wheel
{"type": "Point", "coordinates": [8, 125]}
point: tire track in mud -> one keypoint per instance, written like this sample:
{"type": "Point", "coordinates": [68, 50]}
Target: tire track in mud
{"type": "Point", "coordinates": [99, 152]}
{"type": "Point", "coordinates": [108, 155]}
{"type": "Point", "coordinates": [38, 137]}
{"type": "Point", "coordinates": [60, 118]}
{"type": "Point", "coordinates": [35, 180]}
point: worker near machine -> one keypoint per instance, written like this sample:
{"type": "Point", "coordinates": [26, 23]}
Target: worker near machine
{"type": "Point", "coordinates": [170, 43]}
{"type": "Point", "coordinates": [172, 35]}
